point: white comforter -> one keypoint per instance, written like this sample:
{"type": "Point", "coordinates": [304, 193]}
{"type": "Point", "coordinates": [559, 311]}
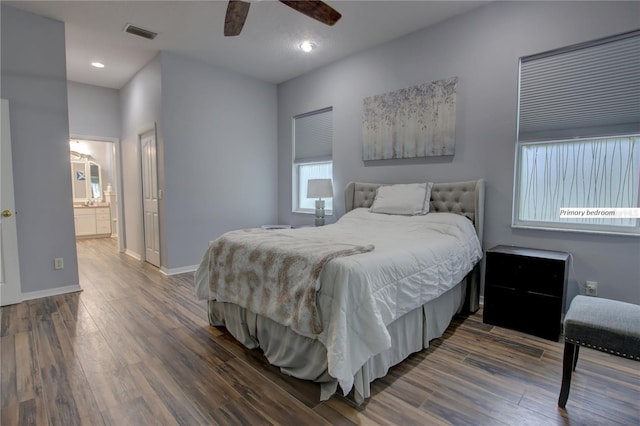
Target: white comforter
{"type": "Point", "coordinates": [415, 260]}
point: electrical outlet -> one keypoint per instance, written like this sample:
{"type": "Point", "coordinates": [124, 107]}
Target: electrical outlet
{"type": "Point", "coordinates": [58, 263]}
{"type": "Point", "coordinates": [591, 289]}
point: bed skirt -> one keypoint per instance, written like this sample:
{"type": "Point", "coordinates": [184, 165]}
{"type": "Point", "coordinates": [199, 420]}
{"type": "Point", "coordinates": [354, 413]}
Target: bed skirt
{"type": "Point", "coordinates": [306, 358]}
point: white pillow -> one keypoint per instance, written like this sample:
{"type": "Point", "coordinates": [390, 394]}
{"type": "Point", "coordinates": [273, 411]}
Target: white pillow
{"type": "Point", "coordinates": [403, 199]}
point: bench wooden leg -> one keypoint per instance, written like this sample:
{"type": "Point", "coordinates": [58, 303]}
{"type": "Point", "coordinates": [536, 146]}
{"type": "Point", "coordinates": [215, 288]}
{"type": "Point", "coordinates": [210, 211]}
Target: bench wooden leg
{"type": "Point", "coordinates": [575, 356]}
{"type": "Point", "coordinates": [569, 361]}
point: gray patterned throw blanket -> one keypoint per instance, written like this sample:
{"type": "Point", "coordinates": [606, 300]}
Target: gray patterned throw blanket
{"type": "Point", "coordinates": [275, 274]}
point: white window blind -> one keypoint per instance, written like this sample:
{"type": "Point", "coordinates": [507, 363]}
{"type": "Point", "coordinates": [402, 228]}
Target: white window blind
{"type": "Point", "coordinates": [313, 136]}
{"type": "Point", "coordinates": [312, 156]}
{"type": "Point", "coordinates": [586, 90]}
{"type": "Point", "coordinates": [578, 143]}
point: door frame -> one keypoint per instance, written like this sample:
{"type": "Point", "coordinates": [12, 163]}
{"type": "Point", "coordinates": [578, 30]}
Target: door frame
{"type": "Point", "coordinates": [12, 287]}
{"type": "Point", "coordinates": [150, 127]}
{"type": "Point", "coordinates": [119, 184]}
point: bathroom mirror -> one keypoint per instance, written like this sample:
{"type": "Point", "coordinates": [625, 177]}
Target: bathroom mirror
{"type": "Point", "coordinates": [86, 179]}
{"type": "Point", "coordinates": [96, 191]}
{"type": "Point", "coordinates": [78, 180]}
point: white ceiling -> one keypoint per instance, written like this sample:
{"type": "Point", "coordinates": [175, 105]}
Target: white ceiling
{"type": "Point", "coordinates": [267, 48]}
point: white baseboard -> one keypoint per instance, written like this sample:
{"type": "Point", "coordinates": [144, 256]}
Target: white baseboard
{"type": "Point", "coordinates": [181, 270]}
{"type": "Point", "coordinates": [133, 254]}
{"type": "Point", "coordinates": [50, 292]}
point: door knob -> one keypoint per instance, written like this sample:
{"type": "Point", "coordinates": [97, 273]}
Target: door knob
{"type": "Point", "coordinates": [6, 213]}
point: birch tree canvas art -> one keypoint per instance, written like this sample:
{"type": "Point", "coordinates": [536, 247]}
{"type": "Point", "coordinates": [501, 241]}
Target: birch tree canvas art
{"type": "Point", "coordinates": [418, 121]}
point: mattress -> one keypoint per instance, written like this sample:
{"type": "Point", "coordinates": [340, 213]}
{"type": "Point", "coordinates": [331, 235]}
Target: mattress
{"type": "Point", "coordinates": [416, 260]}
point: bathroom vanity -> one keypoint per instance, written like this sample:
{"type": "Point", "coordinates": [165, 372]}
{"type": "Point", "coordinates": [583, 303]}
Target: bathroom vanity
{"type": "Point", "coordinates": [92, 221]}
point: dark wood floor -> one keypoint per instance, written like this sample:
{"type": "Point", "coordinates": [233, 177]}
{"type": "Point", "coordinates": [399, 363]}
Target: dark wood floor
{"type": "Point", "coordinates": [134, 348]}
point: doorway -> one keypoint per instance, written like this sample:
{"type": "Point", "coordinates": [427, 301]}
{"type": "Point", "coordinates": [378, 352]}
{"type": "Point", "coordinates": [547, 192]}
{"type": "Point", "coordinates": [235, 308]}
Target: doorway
{"type": "Point", "coordinates": [97, 188]}
{"type": "Point", "coordinates": [150, 195]}
{"type": "Point", "coordinates": [10, 291]}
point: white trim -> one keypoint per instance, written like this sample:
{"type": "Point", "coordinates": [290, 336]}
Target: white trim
{"type": "Point", "coordinates": [581, 138]}
{"type": "Point", "coordinates": [575, 230]}
{"type": "Point", "coordinates": [481, 301]}
{"type": "Point", "coordinates": [313, 212]}
{"type": "Point", "coordinates": [133, 254]}
{"type": "Point", "coordinates": [149, 127]}
{"type": "Point", "coordinates": [120, 198]}
{"type": "Point", "coordinates": [10, 287]}
{"type": "Point", "coordinates": [50, 292]}
{"type": "Point", "coordinates": [181, 270]}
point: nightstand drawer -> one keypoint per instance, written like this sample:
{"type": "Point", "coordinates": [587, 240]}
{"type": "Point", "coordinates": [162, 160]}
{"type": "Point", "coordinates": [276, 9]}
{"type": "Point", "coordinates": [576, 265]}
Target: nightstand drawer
{"type": "Point", "coordinates": [527, 274]}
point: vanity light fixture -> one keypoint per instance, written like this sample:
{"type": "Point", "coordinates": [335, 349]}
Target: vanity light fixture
{"type": "Point", "coordinates": [307, 46]}
{"type": "Point", "coordinates": [97, 64]}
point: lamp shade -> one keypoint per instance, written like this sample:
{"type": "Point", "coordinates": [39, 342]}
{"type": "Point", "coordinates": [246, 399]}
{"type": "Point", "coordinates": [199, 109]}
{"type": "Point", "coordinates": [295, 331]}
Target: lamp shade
{"type": "Point", "coordinates": [319, 188]}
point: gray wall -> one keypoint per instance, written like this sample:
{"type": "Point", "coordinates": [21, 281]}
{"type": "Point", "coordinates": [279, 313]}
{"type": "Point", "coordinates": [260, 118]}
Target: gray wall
{"type": "Point", "coordinates": [140, 107]}
{"type": "Point", "coordinates": [481, 48]}
{"type": "Point", "coordinates": [35, 83]}
{"type": "Point", "coordinates": [93, 110]}
{"type": "Point", "coordinates": [217, 150]}
{"type": "Point", "coordinates": [220, 142]}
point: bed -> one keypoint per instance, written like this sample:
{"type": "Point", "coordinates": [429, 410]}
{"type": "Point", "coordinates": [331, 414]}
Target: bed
{"type": "Point", "coordinates": [395, 288]}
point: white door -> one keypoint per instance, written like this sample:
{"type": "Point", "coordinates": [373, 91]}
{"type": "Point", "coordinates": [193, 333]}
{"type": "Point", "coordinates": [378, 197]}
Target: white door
{"type": "Point", "coordinates": [150, 197]}
{"type": "Point", "coordinates": [9, 267]}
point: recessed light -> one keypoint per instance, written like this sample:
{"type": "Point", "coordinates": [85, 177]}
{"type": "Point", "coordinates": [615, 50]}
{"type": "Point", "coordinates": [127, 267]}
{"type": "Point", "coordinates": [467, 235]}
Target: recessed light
{"type": "Point", "coordinates": [307, 46]}
{"type": "Point", "coordinates": [97, 64]}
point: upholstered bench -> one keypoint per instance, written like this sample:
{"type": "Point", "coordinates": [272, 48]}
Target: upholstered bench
{"type": "Point", "coordinates": [606, 325]}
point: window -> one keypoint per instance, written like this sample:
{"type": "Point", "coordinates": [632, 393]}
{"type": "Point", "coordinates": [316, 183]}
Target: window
{"type": "Point", "coordinates": [313, 140]}
{"type": "Point", "coordinates": [578, 140]}
{"type": "Point", "coordinates": [308, 171]}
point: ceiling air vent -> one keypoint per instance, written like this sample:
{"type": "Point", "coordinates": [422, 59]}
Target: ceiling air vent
{"type": "Point", "coordinates": [140, 32]}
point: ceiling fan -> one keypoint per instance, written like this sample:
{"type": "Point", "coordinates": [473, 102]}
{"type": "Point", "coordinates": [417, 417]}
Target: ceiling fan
{"type": "Point", "coordinates": [237, 11]}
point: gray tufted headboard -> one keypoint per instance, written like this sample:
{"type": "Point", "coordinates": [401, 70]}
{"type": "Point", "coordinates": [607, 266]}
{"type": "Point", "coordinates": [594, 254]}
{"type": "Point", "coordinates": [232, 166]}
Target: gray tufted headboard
{"type": "Point", "coordinates": [465, 198]}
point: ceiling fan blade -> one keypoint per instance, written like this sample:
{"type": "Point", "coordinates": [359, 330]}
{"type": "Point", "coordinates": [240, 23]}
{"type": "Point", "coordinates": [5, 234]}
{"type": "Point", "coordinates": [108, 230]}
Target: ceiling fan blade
{"type": "Point", "coordinates": [236, 15]}
{"type": "Point", "coordinates": [318, 10]}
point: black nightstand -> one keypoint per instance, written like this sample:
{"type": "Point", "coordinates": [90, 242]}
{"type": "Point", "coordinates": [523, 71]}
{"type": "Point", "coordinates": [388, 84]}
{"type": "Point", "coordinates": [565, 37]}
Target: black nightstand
{"type": "Point", "coordinates": [524, 289]}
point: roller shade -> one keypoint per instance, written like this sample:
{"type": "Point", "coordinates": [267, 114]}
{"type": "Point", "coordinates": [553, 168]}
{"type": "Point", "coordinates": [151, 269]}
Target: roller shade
{"type": "Point", "coordinates": [586, 90]}
{"type": "Point", "coordinates": [313, 136]}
